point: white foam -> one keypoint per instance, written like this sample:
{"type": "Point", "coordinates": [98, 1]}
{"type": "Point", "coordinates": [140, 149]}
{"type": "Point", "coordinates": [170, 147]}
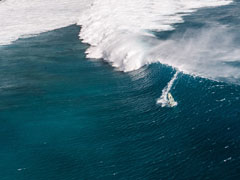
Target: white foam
{"type": "Point", "coordinates": [21, 18]}
{"type": "Point", "coordinates": [163, 100]}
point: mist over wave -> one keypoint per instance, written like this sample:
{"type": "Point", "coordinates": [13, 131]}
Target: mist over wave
{"type": "Point", "coordinates": [208, 52]}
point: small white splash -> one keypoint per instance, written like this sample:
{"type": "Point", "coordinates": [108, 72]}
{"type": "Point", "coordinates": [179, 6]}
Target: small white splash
{"type": "Point", "coordinates": [163, 100]}
{"type": "Point", "coordinates": [228, 159]}
{"type": "Point", "coordinates": [21, 169]}
{"type": "Point", "coordinates": [226, 147]}
{"type": "Point", "coordinates": [221, 100]}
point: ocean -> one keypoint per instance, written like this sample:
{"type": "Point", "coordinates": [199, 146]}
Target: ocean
{"type": "Point", "coordinates": [86, 97]}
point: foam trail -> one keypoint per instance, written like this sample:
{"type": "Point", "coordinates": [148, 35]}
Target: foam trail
{"type": "Point", "coordinates": [163, 100]}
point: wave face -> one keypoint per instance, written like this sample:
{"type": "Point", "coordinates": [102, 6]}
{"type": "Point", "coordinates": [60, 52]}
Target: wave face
{"type": "Point", "coordinates": [124, 34]}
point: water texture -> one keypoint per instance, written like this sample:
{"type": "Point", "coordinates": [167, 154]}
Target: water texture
{"type": "Point", "coordinates": [68, 114]}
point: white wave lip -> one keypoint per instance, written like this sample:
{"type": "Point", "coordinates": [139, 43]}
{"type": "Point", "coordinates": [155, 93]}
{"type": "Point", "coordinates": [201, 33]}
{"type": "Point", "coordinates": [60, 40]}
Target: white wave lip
{"type": "Point", "coordinates": [21, 18]}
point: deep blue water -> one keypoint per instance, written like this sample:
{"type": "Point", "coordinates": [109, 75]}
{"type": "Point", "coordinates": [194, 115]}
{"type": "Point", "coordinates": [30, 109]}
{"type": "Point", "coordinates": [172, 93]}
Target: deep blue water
{"type": "Point", "coordinates": [63, 116]}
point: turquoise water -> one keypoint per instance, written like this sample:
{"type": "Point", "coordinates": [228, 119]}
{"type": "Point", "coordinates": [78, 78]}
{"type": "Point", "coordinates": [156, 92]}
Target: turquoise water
{"type": "Point", "coordinates": [63, 116]}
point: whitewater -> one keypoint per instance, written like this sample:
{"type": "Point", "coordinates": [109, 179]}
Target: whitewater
{"type": "Point", "coordinates": [123, 32]}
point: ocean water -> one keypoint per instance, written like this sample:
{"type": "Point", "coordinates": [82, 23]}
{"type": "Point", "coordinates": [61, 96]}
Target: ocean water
{"type": "Point", "coordinates": [67, 115]}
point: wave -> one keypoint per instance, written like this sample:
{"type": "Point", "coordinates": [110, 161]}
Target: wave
{"type": "Point", "coordinates": [123, 32]}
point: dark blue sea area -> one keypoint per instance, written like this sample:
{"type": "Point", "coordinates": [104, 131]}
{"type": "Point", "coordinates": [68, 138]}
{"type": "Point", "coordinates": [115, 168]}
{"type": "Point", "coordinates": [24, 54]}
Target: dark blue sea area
{"type": "Point", "coordinates": [65, 117]}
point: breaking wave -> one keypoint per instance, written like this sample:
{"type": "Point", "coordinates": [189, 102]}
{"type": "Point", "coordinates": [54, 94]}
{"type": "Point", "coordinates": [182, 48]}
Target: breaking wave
{"type": "Point", "coordinates": [122, 33]}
